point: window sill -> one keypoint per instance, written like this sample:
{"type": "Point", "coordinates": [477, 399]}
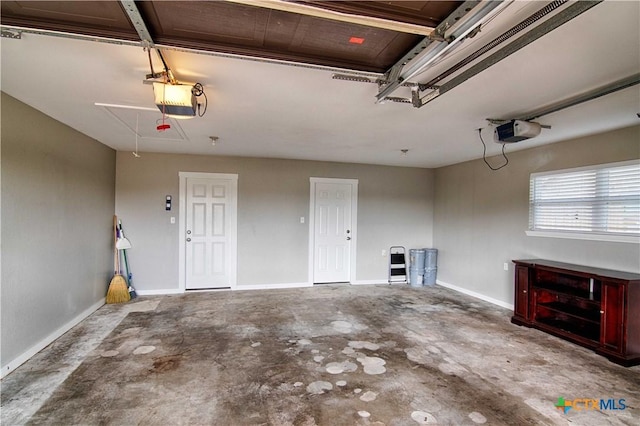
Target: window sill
{"type": "Point", "coordinates": [585, 236]}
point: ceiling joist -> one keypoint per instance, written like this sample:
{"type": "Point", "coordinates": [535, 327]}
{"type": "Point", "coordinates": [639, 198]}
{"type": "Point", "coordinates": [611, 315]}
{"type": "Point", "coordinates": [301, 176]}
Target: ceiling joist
{"type": "Point", "coordinates": [345, 36]}
{"type": "Point", "coordinates": [317, 12]}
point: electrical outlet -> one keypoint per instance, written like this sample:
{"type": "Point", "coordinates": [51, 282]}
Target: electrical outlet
{"type": "Point", "coordinates": [505, 265]}
{"type": "Point", "coordinates": [384, 252]}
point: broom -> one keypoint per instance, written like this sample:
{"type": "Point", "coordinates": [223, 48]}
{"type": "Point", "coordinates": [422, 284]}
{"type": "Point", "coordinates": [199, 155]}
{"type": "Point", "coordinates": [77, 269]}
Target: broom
{"type": "Point", "coordinates": [118, 290]}
{"type": "Point", "coordinates": [132, 291]}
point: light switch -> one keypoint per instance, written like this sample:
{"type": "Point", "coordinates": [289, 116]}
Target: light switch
{"type": "Point", "coordinates": [167, 205]}
{"type": "Point", "coordinates": [301, 219]}
{"type": "Point", "coordinates": [173, 220]}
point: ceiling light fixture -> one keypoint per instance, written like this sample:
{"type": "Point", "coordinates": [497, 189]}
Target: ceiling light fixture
{"type": "Point", "coordinates": [175, 100]}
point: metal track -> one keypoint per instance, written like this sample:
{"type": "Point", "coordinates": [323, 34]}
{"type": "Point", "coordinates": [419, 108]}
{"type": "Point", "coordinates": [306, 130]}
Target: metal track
{"type": "Point", "coordinates": [587, 96]}
{"type": "Point", "coordinates": [546, 27]}
{"type": "Point", "coordinates": [137, 21]}
{"type": "Point", "coordinates": [461, 22]}
{"type": "Point", "coordinates": [499, 40]}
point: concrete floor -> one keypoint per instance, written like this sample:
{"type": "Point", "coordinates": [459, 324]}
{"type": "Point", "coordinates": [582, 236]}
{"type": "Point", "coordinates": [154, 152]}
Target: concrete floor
{"type": "Point", "coordinates": [328, 355]}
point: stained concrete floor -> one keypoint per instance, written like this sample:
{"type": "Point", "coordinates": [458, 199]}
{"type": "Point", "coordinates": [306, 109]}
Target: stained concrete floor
{"type": "Point", "coordinates": [328, 355]}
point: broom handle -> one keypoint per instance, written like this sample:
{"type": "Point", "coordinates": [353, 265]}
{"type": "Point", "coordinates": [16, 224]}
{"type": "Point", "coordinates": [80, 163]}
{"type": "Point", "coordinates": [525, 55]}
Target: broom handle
{"type": "Point", "coordinates": [127, 274]}
{"type": "Point", "coordinates": [116, 256]}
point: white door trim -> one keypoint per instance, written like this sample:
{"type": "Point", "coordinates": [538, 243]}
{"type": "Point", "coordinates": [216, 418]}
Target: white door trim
{"type": "Point", "coordinates": [354, 223]}
{"type": "Point", "coordinates": [182, 216]}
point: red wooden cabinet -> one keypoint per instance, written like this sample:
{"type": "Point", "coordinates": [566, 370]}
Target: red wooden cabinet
{"type": "Point", "coordinates": [521, 311]}
{"type": "Point", "coordinates": [593, 307]}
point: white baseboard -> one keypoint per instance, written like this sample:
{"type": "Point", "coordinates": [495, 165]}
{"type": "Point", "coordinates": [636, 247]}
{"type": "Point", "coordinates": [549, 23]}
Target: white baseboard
{"type": "Point", "coordinates": [272, 286]}
{"type": "Point", "coordinates": [476, 295]}
{"type": "Point", "coordinates": [18, 361]}
{"type": "Point", "coordinates": [159, 292]}
{"type": "Point", "coordinates": [369, 282]}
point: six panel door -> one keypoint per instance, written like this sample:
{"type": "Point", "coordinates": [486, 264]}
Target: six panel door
{"type": "Point", "coordinates": [210, 242]}
{"type": "Point", "coordinates": [332, 233]}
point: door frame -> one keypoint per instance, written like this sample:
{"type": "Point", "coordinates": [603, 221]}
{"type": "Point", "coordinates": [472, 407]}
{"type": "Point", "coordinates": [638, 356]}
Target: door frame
{"type": "Point", "coordinates": [182, 221]}
{"type": "Point", "coordinates": [354, 223]}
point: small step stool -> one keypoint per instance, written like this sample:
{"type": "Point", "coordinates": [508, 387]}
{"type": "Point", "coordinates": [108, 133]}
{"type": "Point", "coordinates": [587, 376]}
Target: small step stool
{"type": "Point", "coordinates": [397, 265]}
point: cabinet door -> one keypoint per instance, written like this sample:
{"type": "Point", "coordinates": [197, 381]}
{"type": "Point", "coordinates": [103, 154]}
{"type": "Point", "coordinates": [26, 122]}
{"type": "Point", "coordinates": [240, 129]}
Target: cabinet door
{"type": "Point", "coordinates": [521, 302]}
{"type": "Point", "coordinates": [612, 312]}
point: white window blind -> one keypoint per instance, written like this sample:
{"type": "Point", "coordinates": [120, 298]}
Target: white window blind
{"type": "Point", "coordinates": [600, 200]}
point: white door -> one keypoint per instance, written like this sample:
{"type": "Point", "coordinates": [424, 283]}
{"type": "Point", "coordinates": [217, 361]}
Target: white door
{"type": "Point", "coordinates": [210, 232]}
{"type": "Point", "coordinates": [333, 232]}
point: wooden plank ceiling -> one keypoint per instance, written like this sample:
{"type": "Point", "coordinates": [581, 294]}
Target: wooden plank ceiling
{"type": "Point", "coordinates": [248, 29]}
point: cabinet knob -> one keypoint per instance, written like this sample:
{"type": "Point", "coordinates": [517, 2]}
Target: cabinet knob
{"type": "Point", "coordinates": [601, 312]}
{"type": "Point", "coordinates": [524, 291]}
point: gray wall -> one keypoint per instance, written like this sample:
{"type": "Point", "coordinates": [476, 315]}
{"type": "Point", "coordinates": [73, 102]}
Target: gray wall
{"type": "Point", "coordinates": [57, 207]}
{"type": "Point", "coordinates": [481, 216]}
{"type": "Point", "coordinates": [395, 207]}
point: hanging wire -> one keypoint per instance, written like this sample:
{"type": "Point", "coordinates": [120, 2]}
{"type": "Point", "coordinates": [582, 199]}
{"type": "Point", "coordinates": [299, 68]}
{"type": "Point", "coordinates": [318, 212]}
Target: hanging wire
{"type": "Point", "coordinates": [164, 126]}
{"type": "Point", "coordinates": [484, 153]}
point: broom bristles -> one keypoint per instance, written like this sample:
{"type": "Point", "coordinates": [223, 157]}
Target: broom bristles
{"type": "Point", "coordinates": [118, 290]}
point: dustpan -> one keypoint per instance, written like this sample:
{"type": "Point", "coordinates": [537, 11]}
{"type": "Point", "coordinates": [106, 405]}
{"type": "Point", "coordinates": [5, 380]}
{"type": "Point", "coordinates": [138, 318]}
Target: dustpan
{"type": "Point", "coordinates": [122, 242]}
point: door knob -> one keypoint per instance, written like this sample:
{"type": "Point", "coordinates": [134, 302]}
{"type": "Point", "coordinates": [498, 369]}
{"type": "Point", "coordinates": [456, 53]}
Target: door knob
{"type": "Point", "coordinates": [188, 239]}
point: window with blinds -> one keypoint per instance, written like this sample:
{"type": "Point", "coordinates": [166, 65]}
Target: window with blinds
{"type": "Point", "coordinates": [598, 200]}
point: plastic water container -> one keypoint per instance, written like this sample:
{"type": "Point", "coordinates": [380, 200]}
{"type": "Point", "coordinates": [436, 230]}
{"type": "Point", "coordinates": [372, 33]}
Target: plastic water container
{"type": "Point", "coordinates": [416, 277]}
{"type": "Point", "coordinates": [430, 276]}
{"type": "Point", "coordinates": [431, 258]}
{"type": "Point", "coordinates": [416, 258]}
